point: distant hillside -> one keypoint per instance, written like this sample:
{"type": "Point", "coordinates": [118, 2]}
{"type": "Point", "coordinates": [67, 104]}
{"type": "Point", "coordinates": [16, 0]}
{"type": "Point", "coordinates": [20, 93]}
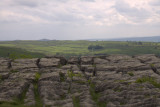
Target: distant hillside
{"type": "Point", "coordinates": [15, 53]}
{"type": "Point", "coordinates": [44, 40]}
{"type": "Point", "coordinates": [143, 39]}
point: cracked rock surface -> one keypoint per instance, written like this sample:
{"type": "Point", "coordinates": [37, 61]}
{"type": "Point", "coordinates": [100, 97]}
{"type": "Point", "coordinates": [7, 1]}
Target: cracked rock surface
{"type": "Point", "coordinates": [89, 81]}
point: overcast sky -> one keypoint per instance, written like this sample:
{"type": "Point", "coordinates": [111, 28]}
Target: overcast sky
{"type": "Point", "coordinates": [78, 19]}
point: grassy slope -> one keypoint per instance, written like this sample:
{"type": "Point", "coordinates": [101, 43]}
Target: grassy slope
{"type": "Point", "coordinates": [68, 48]}
{"type": "Point", "coordinates": [18, 53]}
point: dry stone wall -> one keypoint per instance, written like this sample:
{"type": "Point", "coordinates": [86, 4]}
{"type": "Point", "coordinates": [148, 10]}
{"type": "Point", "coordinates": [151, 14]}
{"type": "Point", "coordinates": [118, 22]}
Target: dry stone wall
{"type": "Point", "coordinates": [104, 81]}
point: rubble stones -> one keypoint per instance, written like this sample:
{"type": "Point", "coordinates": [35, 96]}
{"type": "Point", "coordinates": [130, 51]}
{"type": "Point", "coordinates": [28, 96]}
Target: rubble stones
{"type": "Point", "coordinates": [108, 81]}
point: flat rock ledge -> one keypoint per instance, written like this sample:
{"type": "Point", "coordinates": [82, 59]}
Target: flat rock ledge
{"type": "Point", "coordinates": [88, 81]}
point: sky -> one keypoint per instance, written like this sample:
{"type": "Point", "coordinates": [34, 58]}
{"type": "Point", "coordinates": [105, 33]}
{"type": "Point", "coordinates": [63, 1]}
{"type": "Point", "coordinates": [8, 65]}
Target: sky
{"type": "Point", "coordinates": [78, 19]}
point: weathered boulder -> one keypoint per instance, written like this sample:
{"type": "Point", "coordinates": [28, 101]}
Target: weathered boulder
{"type": "Point", "coordinates": [73, 60]}
{"type": "Point", "coordinates": [20, 64]}
{"type": "Point", "coordinates": [54, 76]}
{"type": "Point", "coordinates": [117, 58]}
{"type": "Point", "coordinates": [86, 60]}
{"type": "Point", "coordinates": [22, 76]}
{"type": "Point", "coordinates": [100, 61]}
{"type": "Point", "coordinates": [70, 67]}
{"type": "Point", "coordinates": [87, 68]}
{"type": "Point", "coordinates": [4, 64]}
{"type": "Point", "coordinates": [49, 62]}
{"type": "Point", "coordinates": [147, 58]}
{"type": "Point", "coordinates": [63, 61]}
{"type": "Point", "coordinates": [12, 89]}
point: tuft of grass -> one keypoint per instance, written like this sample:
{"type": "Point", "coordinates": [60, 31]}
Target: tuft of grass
{"type": "Point", "coordinates": [120, 80]}
{"type": "Point", "coordinates": [148, 79]}
{"type": "Point", "coordinates": [80, 82]}
{"type": "Point", "coordinates": [63, 97]}
{"type": "Point", "coordinates": [11, 104]}
{"type": "Point", "coordinates": [14, 71]}
{"type": "Point", "coordinates": [122, 103]}
{"type": "Point", "coordinates": [62, 76]}
{"type": "Point", "coordinates": [117, 89]}
{"type": "Point", "coordinates": [59, 66]}
{"type": "Point", "coordinates": [70, 74]}
{"type": "Point", "coordinates": [94, 65]}
{"type": "Point", "coordinates": [78, 75]}
{"type": "Point", "coordinates": [76, 101]}
{"type": "Point", "coordinates": [37, 76]}
{"type": "Point", "coordinates": [95, 96]}
{"type": "Point", "coordinates": [152, 65]}
{"type": "Point", "coordinates": [0, 78]}
{"type": "Point", "coordinates": [130, 73]}
{"type": "Point", "coordinates": [36, 93]}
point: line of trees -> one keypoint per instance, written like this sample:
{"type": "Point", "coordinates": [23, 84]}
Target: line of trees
{"type": "Point", "coordinates": [95, 47]}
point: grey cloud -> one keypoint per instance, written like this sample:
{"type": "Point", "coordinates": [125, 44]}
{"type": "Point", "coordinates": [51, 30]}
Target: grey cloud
{"type": "Point", "coordinates": [71, 20]}
{"type": "Point", "coordinates": [132, 12]}
{"type": "Point", "coordinates": [27, 3]}
{"type": "Point", "coordinates": [155, 3]}
{"type": "Point", "coordinates": [88, 0]}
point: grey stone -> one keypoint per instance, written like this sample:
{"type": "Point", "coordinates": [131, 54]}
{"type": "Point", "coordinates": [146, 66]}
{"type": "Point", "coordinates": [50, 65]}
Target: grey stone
{"type": "Point", "coordinates": [20, 64]}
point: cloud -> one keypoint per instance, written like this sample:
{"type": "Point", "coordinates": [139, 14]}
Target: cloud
{"type": "Point", "coordinates": [96, 16]}
{"type": "Point", "coordinates": [27, 3]}
{"type": "Point", "coordinates": [155, 3]}
{"type": "Point", "coordinates": [88, 0]}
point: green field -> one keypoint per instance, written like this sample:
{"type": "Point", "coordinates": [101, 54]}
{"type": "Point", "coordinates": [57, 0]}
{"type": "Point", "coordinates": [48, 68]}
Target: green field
{"type": "Point", "coordinates": [76, 48]}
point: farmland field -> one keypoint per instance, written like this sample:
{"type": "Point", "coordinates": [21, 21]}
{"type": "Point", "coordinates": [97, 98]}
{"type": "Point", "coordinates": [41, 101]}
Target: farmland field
{"type": "Point", "coordinates": [77, 48]}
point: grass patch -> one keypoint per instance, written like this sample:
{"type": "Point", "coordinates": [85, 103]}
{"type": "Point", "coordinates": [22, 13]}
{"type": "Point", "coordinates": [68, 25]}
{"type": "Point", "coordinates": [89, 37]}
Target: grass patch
{"type": "Point", "coordinates": [118, 89]}
{"type": "Point", "coordinates": [14, 71]}
{"type": "Point", "coordinates": [95, 96]}
{"type": "Point", "coordinates": [70, 74]}
{"type": "Point", "coordinates": [62, 76]}
{"type": "Point", "coordinates": [0, 78]}
{"type": "Point", "coordinates": [76, 101]}
{"type": "Point", "coordinates": [11, 104]}
{"type": "Point", "coordinates": [130, 74]}
{"type": "Point", "coordinates": [59, 66]}
{"type": "Point", "coordinates": [80, 82]}
{"type": "Point", "coordinates": [36, 93]}
{"type": "Point", "coordinates": [120, 80]}
{"type": "Point", "coordinates": [37, 76]}
{"type": "Point", "coordinates": [151, 80]}
{"type": "Point", "coordinates": [74, 48]}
